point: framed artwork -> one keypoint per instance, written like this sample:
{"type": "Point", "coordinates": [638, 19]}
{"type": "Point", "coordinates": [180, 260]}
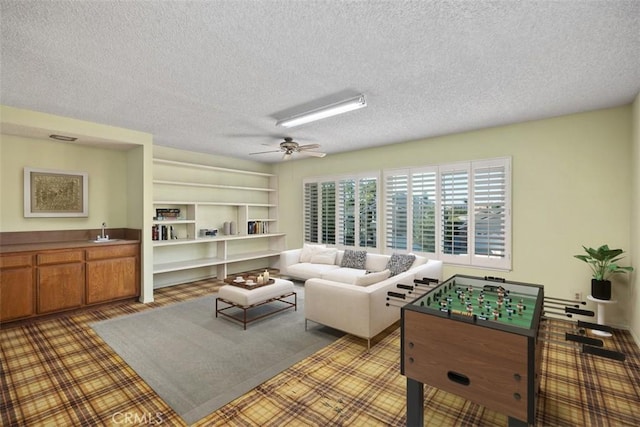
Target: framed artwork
{"type": "Point", "coordinates": [55, 193]}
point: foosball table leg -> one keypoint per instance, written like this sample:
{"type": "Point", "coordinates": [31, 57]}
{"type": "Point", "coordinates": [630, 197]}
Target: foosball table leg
{"type": "Point", "coordinates": [415, 403]}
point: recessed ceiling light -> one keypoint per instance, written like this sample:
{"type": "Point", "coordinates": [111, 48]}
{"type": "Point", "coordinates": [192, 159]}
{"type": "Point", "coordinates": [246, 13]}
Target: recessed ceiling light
{"type": "Point", "coordinates": [63, 138]}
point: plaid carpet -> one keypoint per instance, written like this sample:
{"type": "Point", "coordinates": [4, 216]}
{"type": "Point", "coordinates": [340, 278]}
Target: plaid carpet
{"type": "Point", "coordinates": [59, 372]}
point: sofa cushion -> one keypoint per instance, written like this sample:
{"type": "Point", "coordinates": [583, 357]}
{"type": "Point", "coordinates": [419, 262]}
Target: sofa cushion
{"type": "Point", "coordinates": [324, 256]}
{"type": "Point", "coordinates": [354, 259]}
{"type": "Point", "coordinates": [306, 270]}
{"type": "Point", "coordinates": [343, 275]}
{"type": "Point", "coordinates": [399, 263]}
{"type": "Point", "coordinates": [371, 278]}
{"type": "Point", "coordinates": [308, 251]}
{"type": "Point", "coordinates": [376, 262]}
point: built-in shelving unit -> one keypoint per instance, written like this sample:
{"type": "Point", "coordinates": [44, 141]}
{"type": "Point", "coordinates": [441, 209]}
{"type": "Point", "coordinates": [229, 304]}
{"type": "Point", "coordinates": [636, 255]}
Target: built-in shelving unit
{"type": "Point", "coordinates": [207, 197]}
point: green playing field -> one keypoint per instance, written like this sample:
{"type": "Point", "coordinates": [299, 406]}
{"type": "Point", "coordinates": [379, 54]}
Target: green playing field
{"type": "Point", "coordinates": [482, 301]}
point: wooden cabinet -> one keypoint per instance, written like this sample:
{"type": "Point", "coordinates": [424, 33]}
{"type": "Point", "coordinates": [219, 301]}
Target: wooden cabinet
{"type": "Point", "coordinates": [49, 281]}
{"type": "Point", "coordinates": [112, 273]}
{"type": "Point", "coordinates": [60, 280]}
{"type": "Point", "coordinates": [16, 287]}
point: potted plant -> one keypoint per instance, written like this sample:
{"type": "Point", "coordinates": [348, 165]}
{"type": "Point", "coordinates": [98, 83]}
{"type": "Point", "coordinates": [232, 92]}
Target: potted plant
{"type": "Point", "coordinates": [603, 263]}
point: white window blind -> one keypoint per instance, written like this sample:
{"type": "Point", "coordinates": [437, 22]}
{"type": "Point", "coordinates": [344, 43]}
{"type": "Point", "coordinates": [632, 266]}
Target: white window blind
{"type": "Point", "coordinates": [343, 211]}
{"type": "Point", "coordinates": [368, 215]}
{"type": "Point", "coordinates": [347, 213]}
{"type": "Point", "coordinates": [491, 201]}
{"type": "Point", "coordinates": [424, 211]}
{"type": "Point", "coordinates": [396, 210]}
{"type": "Point", "coordinates": [328, 213]}
{"type": "Point", "coordinates": [311, 212]}
{"type": "Point", "coordinates": [454, 210]}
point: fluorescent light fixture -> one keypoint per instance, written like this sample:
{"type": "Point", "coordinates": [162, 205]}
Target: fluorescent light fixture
{"type": "Point", "coordinates": [324, 112]}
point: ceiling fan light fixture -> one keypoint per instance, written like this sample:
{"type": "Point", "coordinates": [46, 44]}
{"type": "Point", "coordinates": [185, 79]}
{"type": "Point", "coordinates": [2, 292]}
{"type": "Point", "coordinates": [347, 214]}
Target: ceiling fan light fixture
{"type": "Point", "coordinates": [330, 110]}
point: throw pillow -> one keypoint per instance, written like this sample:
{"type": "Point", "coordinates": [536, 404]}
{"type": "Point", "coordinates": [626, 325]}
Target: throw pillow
{"type": "Point", "coordinates": [399, 263]}
{"type": "Point", "coordinates": [324, 256]}
{"type": "Point", "coordinates": [354, 259]}
{"type": "Point", "coordinates": [308, 251]}
{"type": "Point", "coordinates": [371, 278]}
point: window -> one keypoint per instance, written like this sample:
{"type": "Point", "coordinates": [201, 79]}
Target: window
{"type": "Point", "coordinates": [342, 211]}
{"type": "Point", "coordinates": [459, 213]}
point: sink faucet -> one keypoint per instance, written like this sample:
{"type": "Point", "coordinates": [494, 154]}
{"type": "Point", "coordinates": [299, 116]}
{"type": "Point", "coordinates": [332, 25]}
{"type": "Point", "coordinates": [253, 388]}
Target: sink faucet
{"type": "Point", "coordinates": [104, 225]}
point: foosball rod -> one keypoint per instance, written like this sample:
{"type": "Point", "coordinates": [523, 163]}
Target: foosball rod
{"type": "Point", "coordinates": [576, 338]}
{"type": "Point", "coordinates": [582, 324]}
{"type": "Point", "coordinates": [566, 300]}
{"type": "Point", "coordinates": [562, 304]}
{"type": "Point", "coordinates": [572, 310]}
{"type": "Point", "coordinates": [589, 349]}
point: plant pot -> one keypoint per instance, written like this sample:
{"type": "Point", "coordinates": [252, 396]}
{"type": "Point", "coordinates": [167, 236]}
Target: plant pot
{"type": "Point", "coordinates": [601, 289]}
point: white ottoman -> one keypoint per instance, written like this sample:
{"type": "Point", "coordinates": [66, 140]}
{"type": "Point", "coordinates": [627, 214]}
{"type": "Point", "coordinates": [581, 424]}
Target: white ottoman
{"type": "Point", "coordinates": [245, 299]}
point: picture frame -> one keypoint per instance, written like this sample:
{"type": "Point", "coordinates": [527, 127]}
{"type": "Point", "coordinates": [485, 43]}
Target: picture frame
{"type": "Point", "coordinates": [55, 193]}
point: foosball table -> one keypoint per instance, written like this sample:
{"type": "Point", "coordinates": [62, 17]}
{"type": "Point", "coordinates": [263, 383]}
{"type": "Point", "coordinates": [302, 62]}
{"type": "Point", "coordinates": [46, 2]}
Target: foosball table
{"type": "Point", "coordinates": [477, 338]}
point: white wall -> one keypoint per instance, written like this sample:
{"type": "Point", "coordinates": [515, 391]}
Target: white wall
{"type": "Point", "coordinates": [571, 186]}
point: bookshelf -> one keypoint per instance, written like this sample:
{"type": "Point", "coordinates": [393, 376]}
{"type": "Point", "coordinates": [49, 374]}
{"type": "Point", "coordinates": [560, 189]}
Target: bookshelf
{"type": "Point", "coordinates": [199, 200]}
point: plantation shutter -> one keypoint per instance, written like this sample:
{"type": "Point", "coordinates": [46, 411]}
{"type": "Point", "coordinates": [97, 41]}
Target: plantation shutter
{"type": "Point", "coordinates": [311, 212]}
{"type": "Point", "coordinates": [347, 213]}
{"type": "Point", "coordinates": [328, 213]}
{"type": "Point", "coordinates": [424, 211]}
{"type": "Point", "coordinates": [491, 204]}
{"type": "Point", "coordinates": [396, 210]}
{"type": "Point", "coordinates": [368, 212]}
{"type": "Point", "coordinates": [454, 222]}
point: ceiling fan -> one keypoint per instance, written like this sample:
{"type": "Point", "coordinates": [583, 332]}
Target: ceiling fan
{"type": "Point", "coordinates": [289, 147]}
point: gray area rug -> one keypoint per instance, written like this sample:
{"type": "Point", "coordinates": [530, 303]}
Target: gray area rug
{"type": "Point", "coordinates": [198, 363]}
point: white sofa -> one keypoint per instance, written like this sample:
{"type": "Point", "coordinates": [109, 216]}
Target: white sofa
{"type": "Point", "coordinates": [341, 297]}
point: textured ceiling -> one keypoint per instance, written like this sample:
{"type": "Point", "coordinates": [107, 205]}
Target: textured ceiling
{"type": "Point", "coordinates": [213, 76]}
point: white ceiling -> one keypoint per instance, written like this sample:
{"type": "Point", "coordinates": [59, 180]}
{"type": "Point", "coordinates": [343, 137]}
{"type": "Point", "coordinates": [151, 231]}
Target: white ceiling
{"type": "Point", "coordinates": [213, 76]}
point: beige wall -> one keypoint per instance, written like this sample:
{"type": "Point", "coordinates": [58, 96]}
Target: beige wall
{"type": "Point", "coordinates": [117, 160]}
{"type": "Point", "coordinates": [107, 171]}
{"type": "Point", "coordinates": [634, 295]}
{"type": "Point", "coordinates": [571, 187]}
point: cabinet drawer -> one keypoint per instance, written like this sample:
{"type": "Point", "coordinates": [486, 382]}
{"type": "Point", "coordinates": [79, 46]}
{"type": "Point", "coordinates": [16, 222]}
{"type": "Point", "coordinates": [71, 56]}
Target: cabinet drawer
{"type": "Point", "coordinates": [60, 257]}
{"type": "Point", "coordinates": [116, 251]}
{"type": "Point", "coordinates": [9, 261]}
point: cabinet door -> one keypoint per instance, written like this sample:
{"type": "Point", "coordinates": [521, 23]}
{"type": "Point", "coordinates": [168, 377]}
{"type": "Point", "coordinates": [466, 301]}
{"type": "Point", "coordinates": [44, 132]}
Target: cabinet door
{"type": "Point", "coordinates": [112, 279]}
{"type": "Point", "coordinates": [16, 293]}
{"type": "Point", "coordinates": [60, 287]}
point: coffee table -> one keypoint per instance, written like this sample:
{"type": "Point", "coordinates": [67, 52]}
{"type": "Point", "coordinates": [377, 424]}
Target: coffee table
{"type": "Point", "coordinates": [239, 296]}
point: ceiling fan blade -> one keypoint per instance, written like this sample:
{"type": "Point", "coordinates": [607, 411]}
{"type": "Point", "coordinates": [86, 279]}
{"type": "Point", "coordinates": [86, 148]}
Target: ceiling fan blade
{"type": "Point", "coordinates": [312, 153]}
{"type": "Point", "coordinates": [264, 152]}
{"type": "Point", "coordinates": [308, 146]}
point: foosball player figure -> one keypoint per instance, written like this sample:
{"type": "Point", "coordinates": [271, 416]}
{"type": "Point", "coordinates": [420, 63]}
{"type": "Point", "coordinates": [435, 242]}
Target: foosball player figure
{"type": "Point", "coordinates": [520, 306]}
{"type": "Point", "coordinates": [499, 303]}
{"type": "Point", "coordinates": [470, 290]}
{"type": "Point", "coordinates": [480, 300]}
{"type": "Point", "coordinates": [510, 312]}
{"type": "Point", "coordinates": [469, 308]}
{"type": "Point", "coordinates": [496, 314]}
{"type": "Point", "coordinates": [449, 299]}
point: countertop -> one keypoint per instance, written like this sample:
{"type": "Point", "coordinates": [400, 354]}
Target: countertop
{"type": "Point", "coordinates": [73, 244]}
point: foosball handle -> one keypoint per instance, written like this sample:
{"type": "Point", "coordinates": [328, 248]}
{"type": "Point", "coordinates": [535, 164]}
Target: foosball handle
{"type": "Point", "coordinates": [596, 326]}
{"type": "Point", "coordinates": [579, 311]}
{"type": "Point", "coordinates": [584, 340]}
{"type": "Point", "coordinates": [609, 354]}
